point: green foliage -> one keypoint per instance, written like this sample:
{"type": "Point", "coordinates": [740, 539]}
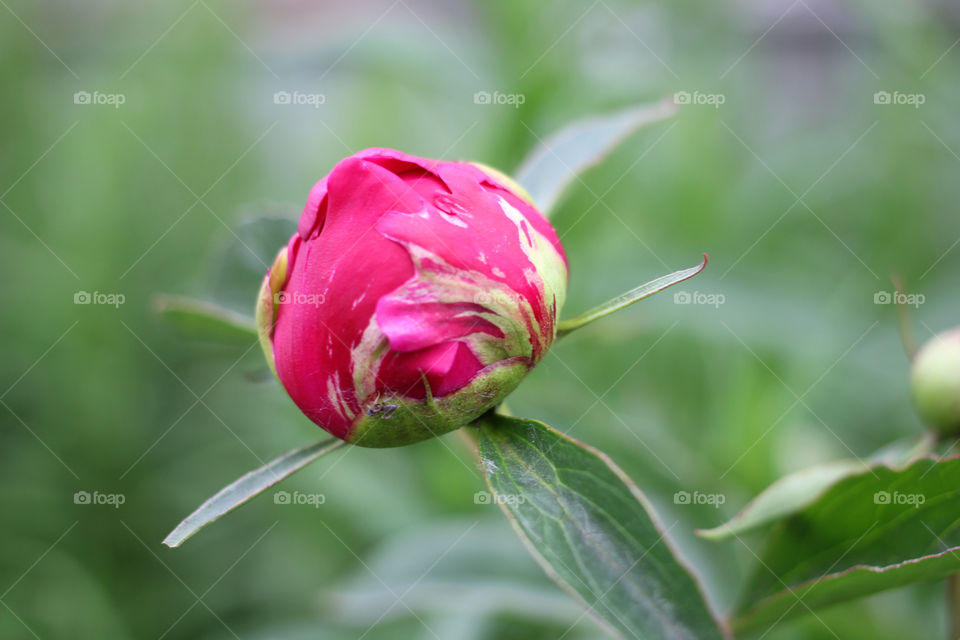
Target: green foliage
{"type": "Point", "coordinates": [249, 485]}
{"type": "Point", "coordinates": [559, 160]}
{"type": "Point", "coordinates": [879, 529]}
{"type": "Point", "coordinates": [591, 529]}
{"type": "Point", "coordinates": [798, 490]}
{"type": "Point", "coordinates": [204, 320]}
{"type": "Point", "coordinates": [628, 298]}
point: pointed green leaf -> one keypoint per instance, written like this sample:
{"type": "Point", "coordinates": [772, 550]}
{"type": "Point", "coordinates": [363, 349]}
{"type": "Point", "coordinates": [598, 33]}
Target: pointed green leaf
{"type": "Point", "coordinates": [205, 320]}
{"type": "Point", "coordinates": [563, 156]}
{"type": "Point", "coordinates": [785, 497]}
{"type": "Point", "coordinates": [626, 299]}
{"type": "Point", "coordinates": [795, 491]}
{"type": "Point", "coordinates": [248, 486]}
{"type": "Point", "coordinates": [592, 530]}
{"type": "Point", "coordinates": [876, 530]}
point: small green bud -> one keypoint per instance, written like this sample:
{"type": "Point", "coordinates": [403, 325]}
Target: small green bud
{"type": "Point", "coordinates": [935, 381]}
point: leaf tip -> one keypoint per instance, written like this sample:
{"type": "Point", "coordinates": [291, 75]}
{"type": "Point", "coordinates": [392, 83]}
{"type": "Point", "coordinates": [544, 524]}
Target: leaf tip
{"type": "Point", "coordinates": [716, 533]}
{"type": "Point", "coordinates": [701, 266]}
{"type": "Point", "coordinates": [174, 539]}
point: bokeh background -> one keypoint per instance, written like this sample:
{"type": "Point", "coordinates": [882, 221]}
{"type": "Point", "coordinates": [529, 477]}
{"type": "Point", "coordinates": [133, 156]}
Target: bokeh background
{"type": "Point", "coordinates": [806, 192]}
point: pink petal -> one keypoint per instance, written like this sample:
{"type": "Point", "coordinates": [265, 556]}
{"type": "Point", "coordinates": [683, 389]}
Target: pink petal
{"type": "Point", "coordinates": [447, 367]}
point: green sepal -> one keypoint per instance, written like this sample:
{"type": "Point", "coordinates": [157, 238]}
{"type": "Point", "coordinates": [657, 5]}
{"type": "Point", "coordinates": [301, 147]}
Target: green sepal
{"type": "Point", "coordinates": [395, 421]}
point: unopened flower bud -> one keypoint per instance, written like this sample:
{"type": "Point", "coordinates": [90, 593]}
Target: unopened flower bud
{"type": "Point", "coordinates": [935, 381]}
{"type": "Point", "coordinates": [414, 297]}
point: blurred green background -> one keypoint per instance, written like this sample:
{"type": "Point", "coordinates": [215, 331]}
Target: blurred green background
{"type": "Point", "coordinates": [806, 193]}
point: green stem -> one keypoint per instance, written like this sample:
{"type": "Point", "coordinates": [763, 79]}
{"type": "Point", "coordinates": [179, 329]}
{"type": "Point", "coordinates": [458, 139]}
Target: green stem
{"type": "Point", "coordinates": [903, 319]}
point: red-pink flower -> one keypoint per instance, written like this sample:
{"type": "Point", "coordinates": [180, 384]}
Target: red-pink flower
{"type": "Point", "coordinates": [415, 296]}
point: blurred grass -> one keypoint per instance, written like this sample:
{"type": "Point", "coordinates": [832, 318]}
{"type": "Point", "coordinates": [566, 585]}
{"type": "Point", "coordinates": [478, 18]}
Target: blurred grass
{"type": "Point", "coordinates": [691, 397]}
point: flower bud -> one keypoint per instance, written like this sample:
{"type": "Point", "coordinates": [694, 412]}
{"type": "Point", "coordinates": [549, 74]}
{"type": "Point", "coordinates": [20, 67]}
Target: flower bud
{"type": "Point", "coordinates": [935, 381]}
{"type": "Point", "coordinates": [414, 297]}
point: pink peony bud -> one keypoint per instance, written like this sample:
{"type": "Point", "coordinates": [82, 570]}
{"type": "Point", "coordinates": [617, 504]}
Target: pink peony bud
{"type": "Point", "coordinates": [415, 296]}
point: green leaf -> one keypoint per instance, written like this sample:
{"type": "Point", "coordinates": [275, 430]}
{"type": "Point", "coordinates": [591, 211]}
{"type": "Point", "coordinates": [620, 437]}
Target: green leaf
{"type": "Point", "coordinates": [248, 486]}
{"type": "Point", "coordinates": [795, 491]}
{"type": "Point", "coordinates": [879, 529]}
{"type": "Point", "coordinates": [785, 497]}
{"type": "Point", "coordinates": [628, 298]}
{"type": "Point", "coordinates": [563, 156]}
{"type": "Point", "coordinates": [205, 320]}
{"type": "Point", "coordinates": [592, 530]}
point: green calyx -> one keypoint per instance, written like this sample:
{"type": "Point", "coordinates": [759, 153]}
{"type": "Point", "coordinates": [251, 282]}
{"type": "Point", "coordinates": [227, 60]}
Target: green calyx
{"type": "Point", "coordinates": [935, 381]}
{"type": "Point", "coordinates": [394, 421]}
{"type": "Point", "coordinates": [266, 312]}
